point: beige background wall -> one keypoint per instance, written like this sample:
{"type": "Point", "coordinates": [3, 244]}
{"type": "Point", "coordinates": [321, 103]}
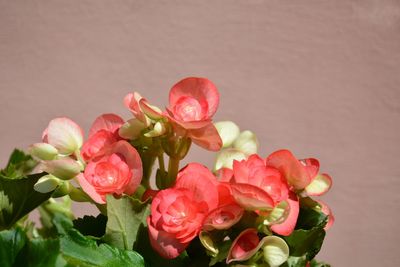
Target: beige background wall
{"type": "Point", "coordinates": [319, 77]}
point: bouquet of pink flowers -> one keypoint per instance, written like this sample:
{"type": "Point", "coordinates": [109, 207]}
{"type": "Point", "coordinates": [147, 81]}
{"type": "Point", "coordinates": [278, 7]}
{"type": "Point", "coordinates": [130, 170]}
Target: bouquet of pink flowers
{"type": "Point", "coordinates": [248, 210]}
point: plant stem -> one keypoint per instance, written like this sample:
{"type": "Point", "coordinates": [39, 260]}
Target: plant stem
{"type": "Point", "coordinates": [173, 168]}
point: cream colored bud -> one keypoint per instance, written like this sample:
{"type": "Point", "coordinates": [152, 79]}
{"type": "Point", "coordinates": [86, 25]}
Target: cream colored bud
{"type": "Point", "coordinates": [276, 251]}
{"type": "Point", "coordinates": [228, 131]}
{"type": "Point", "coordinates": [247, 143]}
{"type": "Point", "coordinates": [158, 130]}
{"type": "Point", "coordinates": [226, 157]}
{"type": "Point", "coordinates": [46, 184]}
{"type": "Point", "coordinates": [131, 129]}
{"type": "Point", "coordinates": [65, 168]}
{"type": "Point", "coordinates": [43, 151]}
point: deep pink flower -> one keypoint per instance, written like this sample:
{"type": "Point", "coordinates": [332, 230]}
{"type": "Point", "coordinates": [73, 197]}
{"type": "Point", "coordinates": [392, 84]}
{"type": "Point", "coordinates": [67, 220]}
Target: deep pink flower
{"type": "Point", "coordinates": [192, 103]}
{"type": "Point", "coordinates": [178, 213]}
{"type": "Point", "coordinates": [244, 246]}
{"type": "Point", "coordinates": [102, 133]}
{"type": "Point", "coordinates": [116, 169]}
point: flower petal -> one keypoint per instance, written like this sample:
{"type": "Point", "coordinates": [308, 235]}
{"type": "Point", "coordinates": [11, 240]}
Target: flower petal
{"type": "Point", "coordinates": [295, 173]}
{"type": "Point", "coordinates": [244, 246]}
{"type": "Point", "coordinates": [251, 197]}
{"type": "Point", "coordinates": [199, 88]}
{"type": "Point", "coordinates": [223, 217]}
{"type": "Point", "coordinates": [207, 137]}
{"type": "Point", "coordinates": [199, 180]}
{"type": "Point", "coordinates": [110, 122]}
{"type": "Point", "coordinates": [247, 143]}
{"type": "Point", "coordinates": [43, 151]}
{"type": "Point", "coordinates": [275, 249]}
{"type": "Point", "coordinates": [89, 189]}
{"type": "Point", "coordinates": [320, 185]}
{"type": "Point", "coordinates": [65, 135]}
{"type": "Point", "coordinates": [226, 157]}
{"type": "Point", "coordinates": [287, 226]}
{"type": "Point", "coordinates": [164, 243]}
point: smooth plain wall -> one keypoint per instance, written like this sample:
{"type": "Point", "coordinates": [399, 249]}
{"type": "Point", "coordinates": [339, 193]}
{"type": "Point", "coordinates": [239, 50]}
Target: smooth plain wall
{"type": "Point", "coordinates": [321, 78]}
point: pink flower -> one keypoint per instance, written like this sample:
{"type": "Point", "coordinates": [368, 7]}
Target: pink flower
{"type": "Point", "coordinates": [256, 186]}
{"type": "Point", "coordinates": [244, 246]}
{"type": "Point", "coordinates": [64, 135]}
{"type": "Point", "coordinates": [116, 169]}
{"type": "Point", "coordinates": [178, 213]}
{"type": "Point", "coordinates": [192, 103]}
{"type": "Point", "coordinates": [103, 133]}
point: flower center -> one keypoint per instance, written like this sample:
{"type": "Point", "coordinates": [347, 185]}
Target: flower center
{"type": "Point", "coordinates": [188, 109]}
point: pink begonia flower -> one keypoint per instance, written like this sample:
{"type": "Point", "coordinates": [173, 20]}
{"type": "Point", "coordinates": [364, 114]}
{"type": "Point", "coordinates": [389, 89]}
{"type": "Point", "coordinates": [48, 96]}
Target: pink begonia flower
{"type": "Point", "coordinates": [116, 169]}
{"type": "Point", "coordinates": [259, 187]}
{"type": "Point", "coordinates": [178, 213]}
{"type": "Point", "coordinates": [63, 134]}
{"type": "Point", "coordinates": [192, 103]}
{"type": "Point", "coordinates": [252, 179]}
{"type": "Point", "coordinates": [102, 133]}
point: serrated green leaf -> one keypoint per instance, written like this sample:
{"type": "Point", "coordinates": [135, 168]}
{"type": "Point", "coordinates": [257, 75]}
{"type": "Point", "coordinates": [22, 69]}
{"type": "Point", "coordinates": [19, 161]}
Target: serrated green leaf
{"type": "Point", "coordinates": [18, 198]}
{"type": "Point", "coordinates": [125, 216]}
{"type": "Point", "coordinates": [92, 226]}
{"type": "Point", "coordinates": [305, 242]}
{"type": "Point", "coordinates": [79, 250]}
{"type": "Point", "coordinates": [11, 244]}
{"type": "Point", "coordinates": [18, 165]}
{"type": "Point", "coordinates": [310, 218]}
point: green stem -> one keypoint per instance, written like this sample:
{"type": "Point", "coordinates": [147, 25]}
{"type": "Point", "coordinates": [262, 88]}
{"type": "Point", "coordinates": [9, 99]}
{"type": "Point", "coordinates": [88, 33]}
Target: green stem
{"type": "Point", "coordinates": [173, 168]}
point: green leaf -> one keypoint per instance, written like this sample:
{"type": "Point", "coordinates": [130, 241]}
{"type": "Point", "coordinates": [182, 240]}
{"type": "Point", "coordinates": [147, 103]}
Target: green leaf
{"type": "Point", "coordinates": [11, 243]}
{"type": "Point", "coordinates": [79, 250]}
{"type": "Point", "coordinates": [305, 242]}
{"type": "Point", "coordinates": [125, 216]}
{"type": "Point", "coordinates": [314, 263]}
{"type": "Point", "coordinates": [18, 165]}
{"type": "Point", "coordinates": [309, 218]}
{"type": "Point", "coordinates": [92, 226]}
{"type": "Point", "coordinates": [295, 262]}
{"type": "Point", "coordinates": [18, 198]}
{"type": "Point", "coordinates": [41, 252]}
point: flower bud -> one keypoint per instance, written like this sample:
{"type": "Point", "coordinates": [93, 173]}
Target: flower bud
{"type": "Point", "coordinates": [228, 131]}
{"type": "Point", "coordinates": [276, 251]}
{"type": "Point", "coordinates": [46, 184]}
{"type": "Point", "coordinates": [226, 157]}
{"type": "Point", "coordinates": [247, 143]}
{"type": "Point", "coordinates": [63, 189]}
{"type": "Point", "coordinates": [43, 151]}
{"type": "Point", "coordinates": [158, 129]}
{"type": "Point", "coordinates": [65, 168]}
{"type": "Point", "coordinates": [131, 129]}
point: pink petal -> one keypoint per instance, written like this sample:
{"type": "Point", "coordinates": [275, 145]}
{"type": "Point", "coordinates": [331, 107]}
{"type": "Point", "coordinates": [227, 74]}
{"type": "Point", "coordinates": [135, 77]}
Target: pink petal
{"type": "Point", "coordinates": [199, 180]}
{"type": "Point", "coordinates": [150, 111]}
{"type": "Point", "coordinates": [109, 122]}
{"type": "Point", "coordinates": [64, 134]}
{"type": "Point", "coordinates": [164, 243]}
{"type": "Point", "coordinates": [312, 166]}
{"type": "Point", "coordinates": [187, 124]}
{"type": "Point", "coordinates": [133, 160]}
{"type": "Point", "coordinates": [287, 226]}
{"type": "Point", "coordinates": [89, 189]}
{"type": "Point", "coordinates": [207, 137]}
{"type": "Point", "coordinates": [224, 174]}
{"type": "Point", "coordinates": [199, 88]}
{"type": "Point", "coordinates": [327, 211]}
{"type": "Point", "coordinates": [319, 185]}
{"type": "Point", "coordinates": [295, 173]}
{"type": "Point", "coordinates": [223, 217]}
{"type": "Point", "coordinates": [251, 197]}
{"type": "Point", "coordinates": [244, 246]}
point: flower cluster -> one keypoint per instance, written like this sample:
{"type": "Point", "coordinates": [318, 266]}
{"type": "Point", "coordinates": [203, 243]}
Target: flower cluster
{"type": "Point", "coordinates": [246, 211]}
